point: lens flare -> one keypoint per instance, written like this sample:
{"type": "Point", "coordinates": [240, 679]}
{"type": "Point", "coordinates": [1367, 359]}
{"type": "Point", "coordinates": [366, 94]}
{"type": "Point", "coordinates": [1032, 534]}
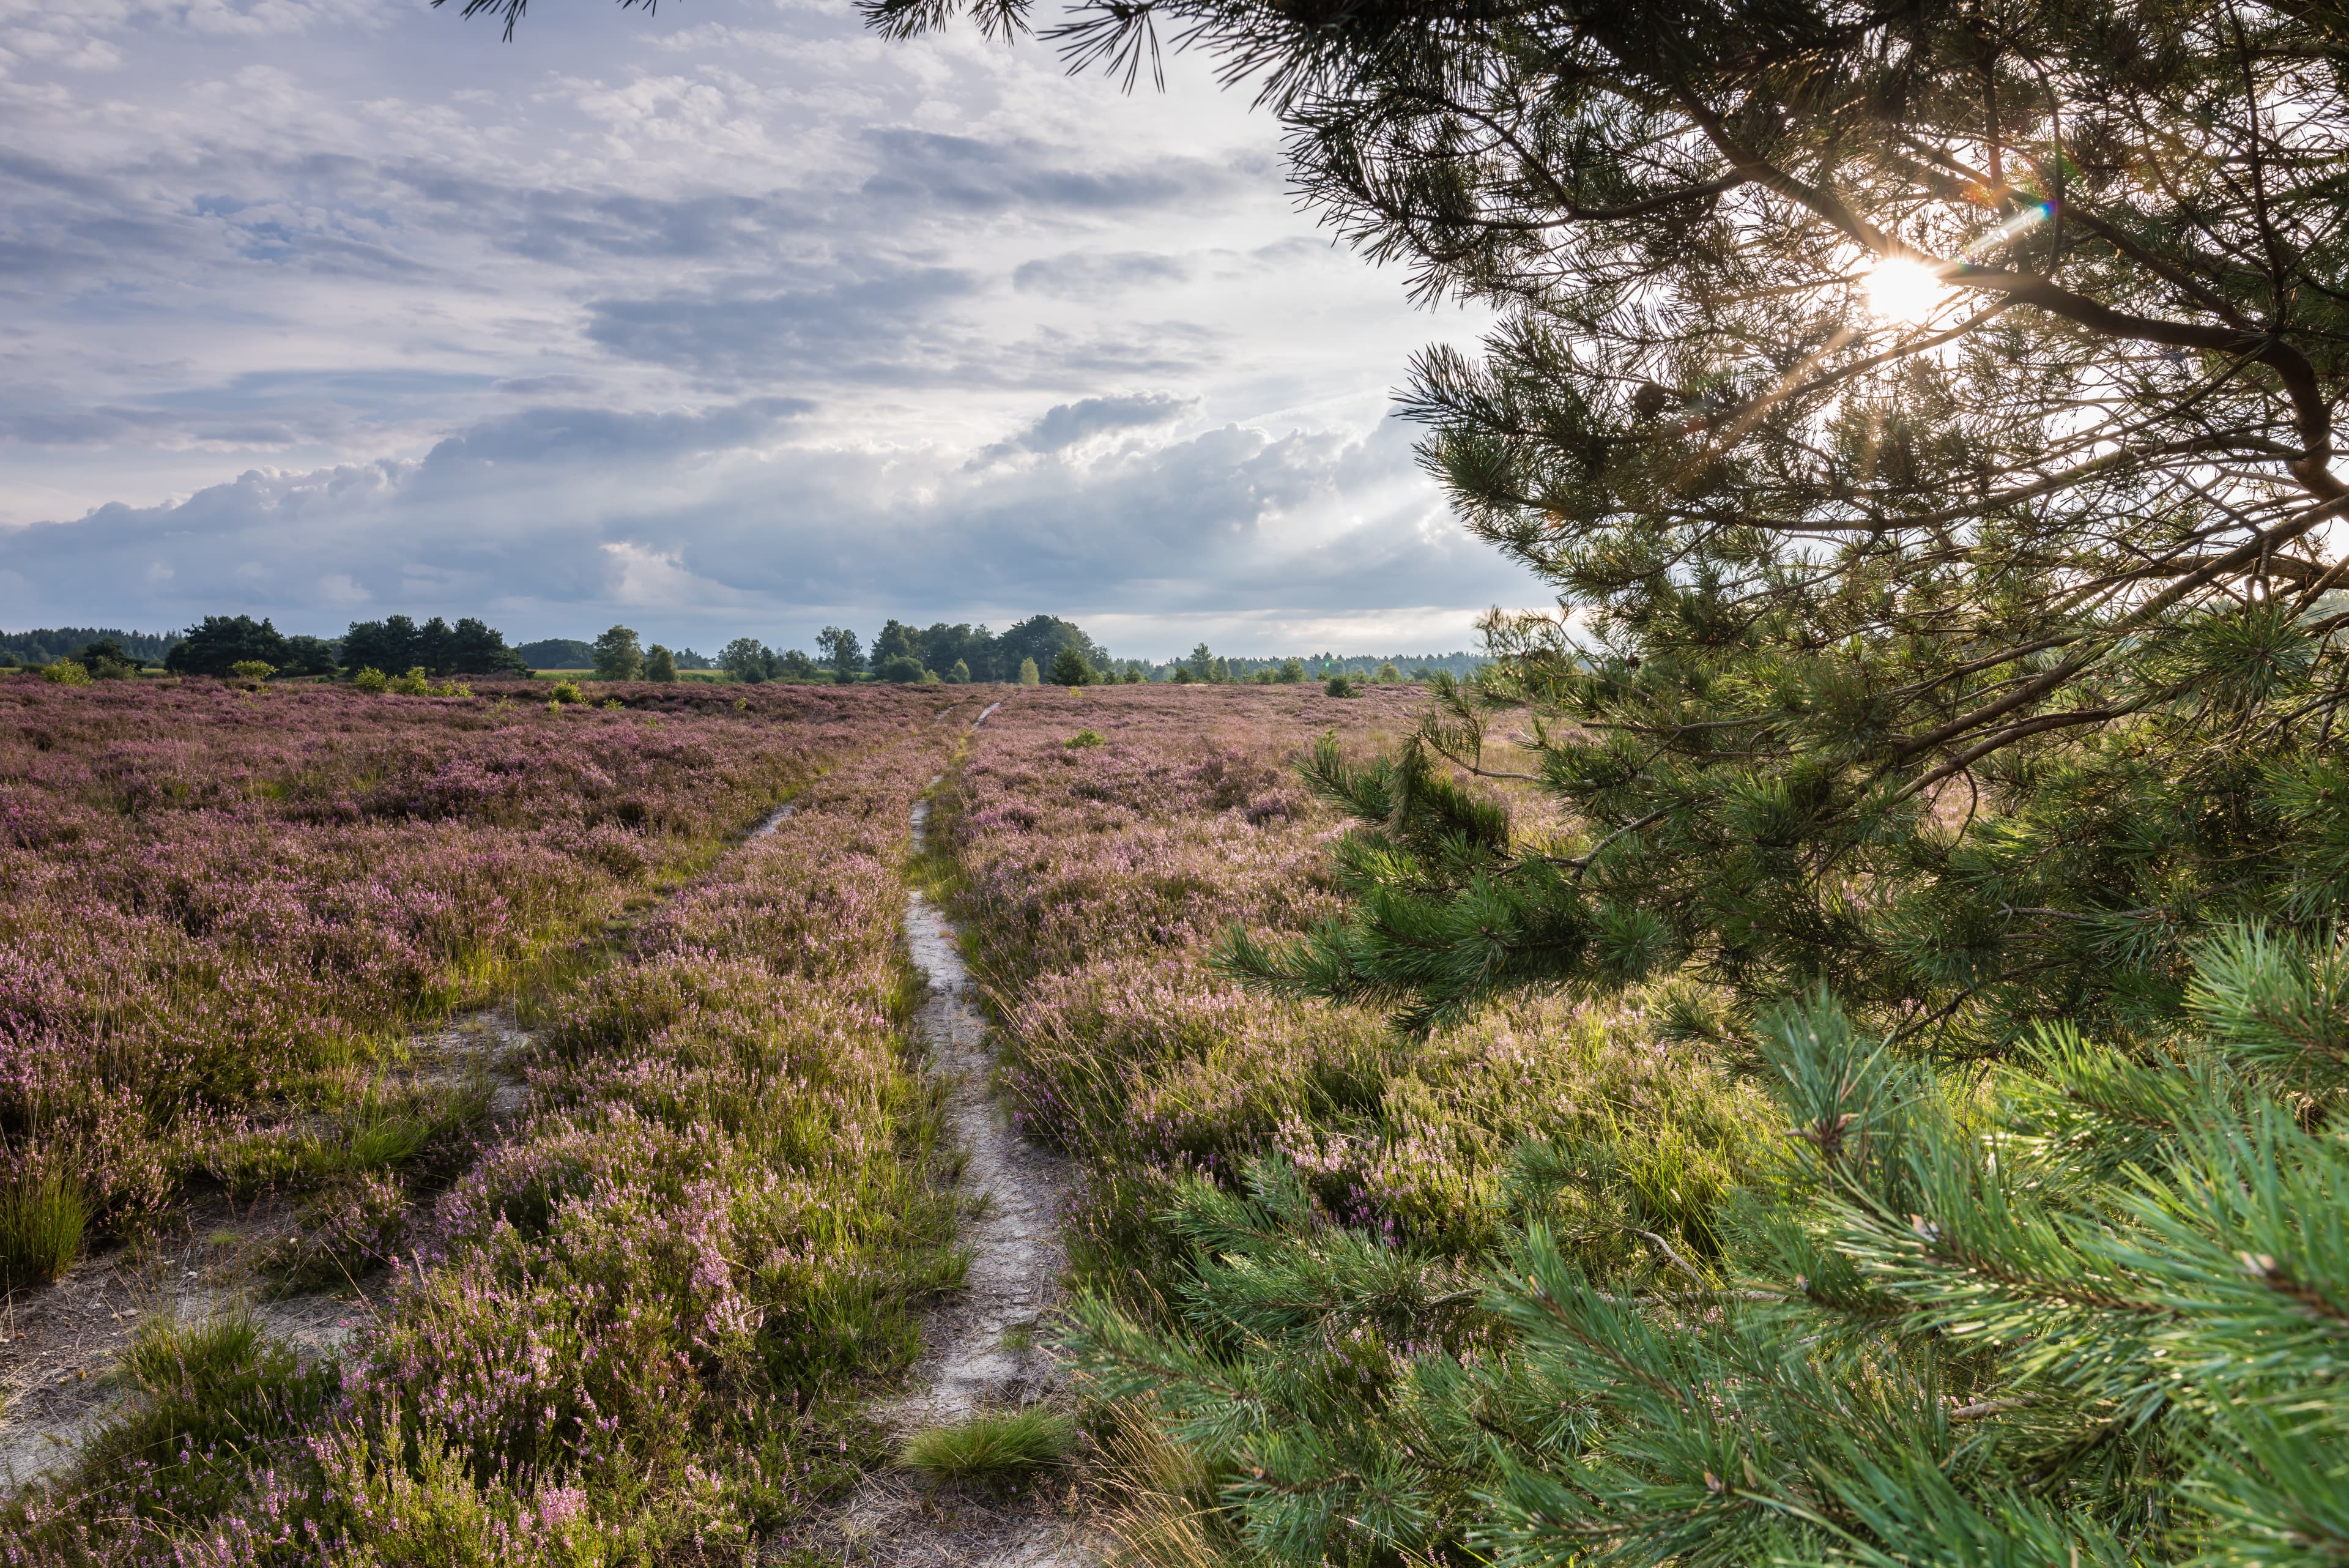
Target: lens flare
{"type": "Point", "coordinates": [1903, 290]}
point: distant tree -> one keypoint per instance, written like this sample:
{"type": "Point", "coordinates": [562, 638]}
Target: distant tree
{"type": "Point", "coordinates": [840, 649]}
{"type": "Point", "coordinates": [1027, 676]}
{"type": "Point", "coordinates": [471, 648]}
{"type": "Point", "coordinates": [689, 660]}
{"type": "Point", "coordinates": [796, 664]}
{"type": "Point", "coordinates": [897, 640]}
{"type": "Point", "coordinates": [899, 669]}
{"type": "Point", "coordinates": [747, 660]}
{"type": "Point", "coordinates": [40, 646]}
{"type": "Point", "coordinates": [107, 650]}
{"type": "Point", "coordinates": [617, 655]}
{"type": "Point", "coordinates": [1041, 638]}
{"type": "Point", "coordinates": [1201, 664]}
{"type": "Point", "coordinates": [959, 675]}
{"type": "Point", "coordinates": [1340, 686]}
{"type": "Point", "coordinates": [1134, 675]}
{"type": "Point", "coordinates": [394, 642]}
{"type": "Point", "coordinates": [660, 664]}
{"type": "Point", "coordinates": [311, 655]}
{"type": "Point", "coordinates": [943, 647]}
{"type": "Point", "coordinates": [1388, 672]}
{"type": "Point", "coordinates": [1183, 676]}
{"type": "Point", "coordinates": [552, 653]}
{"type": "Point", "coordinates": [1070, 668]}
{"type": "Point", "coordinates": [1292, 672]}
{"type": "Point", "coordinates": [220, 642]}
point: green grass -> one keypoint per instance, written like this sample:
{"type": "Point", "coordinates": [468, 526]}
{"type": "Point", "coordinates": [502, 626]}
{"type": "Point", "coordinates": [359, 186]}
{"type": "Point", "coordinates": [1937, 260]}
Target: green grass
{"type": "Point", "coordinates": [992, 1450]}
{"type": "Point", "coordinates": [42, 1217]}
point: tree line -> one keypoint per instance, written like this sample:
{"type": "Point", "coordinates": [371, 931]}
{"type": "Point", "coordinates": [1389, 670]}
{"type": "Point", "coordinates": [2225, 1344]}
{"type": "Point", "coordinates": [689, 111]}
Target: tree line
{"type": "Point", "coordinates": [1041, 649]}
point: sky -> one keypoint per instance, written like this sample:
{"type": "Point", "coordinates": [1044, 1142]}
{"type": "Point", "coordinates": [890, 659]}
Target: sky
{"type": "Point", "coordinates": [732, 319]}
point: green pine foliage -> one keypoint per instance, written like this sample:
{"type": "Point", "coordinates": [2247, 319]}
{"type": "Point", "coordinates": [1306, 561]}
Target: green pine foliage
{"type": "Point", "coordinates": [2089, 1308]}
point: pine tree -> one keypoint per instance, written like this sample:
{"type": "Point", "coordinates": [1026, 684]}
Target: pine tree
{"type": "Point", "coordinates": [1925, 416]}
{"type": "Point", "coordinates": [2090, 1310]}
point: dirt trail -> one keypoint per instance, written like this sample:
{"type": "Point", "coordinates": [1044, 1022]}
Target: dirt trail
{"type": "Point", "coordinates": [986, 1348]}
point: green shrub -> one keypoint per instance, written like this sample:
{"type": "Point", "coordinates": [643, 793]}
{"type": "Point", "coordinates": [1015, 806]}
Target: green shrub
{"type": "Point", "coordinates": [412, 684]}
{"type": "Point", "coordinates": [565, 692]}
{"type": "Point", "coordinates": [993, 1450]}
{"type": "Point", "coordinates": [42, 1216]}
{"type": "Point", "coordinates": [65, 672]}
{"type": "Point", "coordinates": [1340, 687]}
{"type": "Point", "coordinates": [253, 670]}
{"type": "Point", "coordinates": [372, 679]}
{"type": "Point", "coordinates": [1082, 738]}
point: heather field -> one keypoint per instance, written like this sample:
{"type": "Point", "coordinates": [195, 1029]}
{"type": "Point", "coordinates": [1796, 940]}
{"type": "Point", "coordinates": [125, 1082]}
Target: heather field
{"type": "Point", "coordinates": [625, 1319]}
{"type": "Point", "coordinates": [1357, 1185]}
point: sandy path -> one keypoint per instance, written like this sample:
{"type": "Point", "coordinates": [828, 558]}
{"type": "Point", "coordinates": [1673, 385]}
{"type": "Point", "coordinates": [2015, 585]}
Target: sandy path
{"type": "Point", "coordinates": [1015, 1271]}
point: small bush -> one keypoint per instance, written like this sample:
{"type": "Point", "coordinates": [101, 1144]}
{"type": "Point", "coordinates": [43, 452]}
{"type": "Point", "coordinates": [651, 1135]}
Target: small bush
{"type": "Point", "coordinates": [1082, 738]}
{"type": "Point", "coordinates": [900, 670]}
{"type": "Point", "coordinates": [372, 679]}
{"type": "Point", "coordinates": [565, 692]}
{"type": "Point", "coordinates": [1340, 687]}
{"type": "Point", "coordinates": [992, 1450]}
{"type": "Point", "coordinates": [412, 684]}
{"type": "Point", "coordinates": [42, 1217]}
{"type": "Point", "coordinates": [65, 672]}
{"type": "Point", "coordinates": [253, 670]}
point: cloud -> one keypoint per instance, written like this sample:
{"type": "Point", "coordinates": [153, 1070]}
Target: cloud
{"type": "Point", "coordinates": [1065, 424]}
{"type": "Point", "coordinates": [866, 327]}
{"type": "Point", "coordinates": [740, 322]}
{"type": "Point", "coordinates": [737, 533]}
{"type": "Point", "coordinates": [1083, 276]}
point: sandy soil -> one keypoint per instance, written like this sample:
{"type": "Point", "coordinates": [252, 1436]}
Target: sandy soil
{"type": "Point", "coordinates": [898, 1521]}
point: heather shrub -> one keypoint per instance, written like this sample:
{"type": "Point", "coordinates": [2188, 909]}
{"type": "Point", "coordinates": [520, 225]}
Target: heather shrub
{"type": "Point", "coordinates": [345, 1232]}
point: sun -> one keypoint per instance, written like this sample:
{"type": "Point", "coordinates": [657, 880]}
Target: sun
{"type": "Point", "coordinates": [1902, 290]}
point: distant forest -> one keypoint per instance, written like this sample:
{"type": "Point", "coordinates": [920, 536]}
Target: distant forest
{"type": "Point", "coordinates": [901, 651]}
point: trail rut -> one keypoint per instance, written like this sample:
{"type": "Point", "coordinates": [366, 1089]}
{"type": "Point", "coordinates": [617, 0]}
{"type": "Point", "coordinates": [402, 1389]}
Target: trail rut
{"type": "Point", "coordinates": [987, 1349]}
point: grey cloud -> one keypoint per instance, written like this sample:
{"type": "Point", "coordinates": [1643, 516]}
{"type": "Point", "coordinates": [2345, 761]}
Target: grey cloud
{"type": "Point", "coordinates": [972, 175]}
{"type": "Point", "coordinates": [1084, 276]}
{"type": "Point", "coordinates": [568, 435]}
{"type": "Point", "coordinates": [883, 327]}
{"type": "Point", "coordinates": [1065, 424]}
{"type": "Point", "coordinates": [1230, 519]}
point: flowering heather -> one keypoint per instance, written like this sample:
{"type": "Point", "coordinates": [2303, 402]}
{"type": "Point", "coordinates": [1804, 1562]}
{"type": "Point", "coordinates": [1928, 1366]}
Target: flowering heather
{"type": "Point", "coordinates": [631, 1328]}
{"type": "Point", "coordinates": [227, 909]}
{"type": "Point", "coordinates": [1092, 881]}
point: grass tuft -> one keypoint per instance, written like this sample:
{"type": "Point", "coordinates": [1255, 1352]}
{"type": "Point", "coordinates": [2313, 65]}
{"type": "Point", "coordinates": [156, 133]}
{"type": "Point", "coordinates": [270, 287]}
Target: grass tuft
{"type": "Point", "coordinates": [42, 1217]}
{"type": "Point", "coordinates": [993, 1448]}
